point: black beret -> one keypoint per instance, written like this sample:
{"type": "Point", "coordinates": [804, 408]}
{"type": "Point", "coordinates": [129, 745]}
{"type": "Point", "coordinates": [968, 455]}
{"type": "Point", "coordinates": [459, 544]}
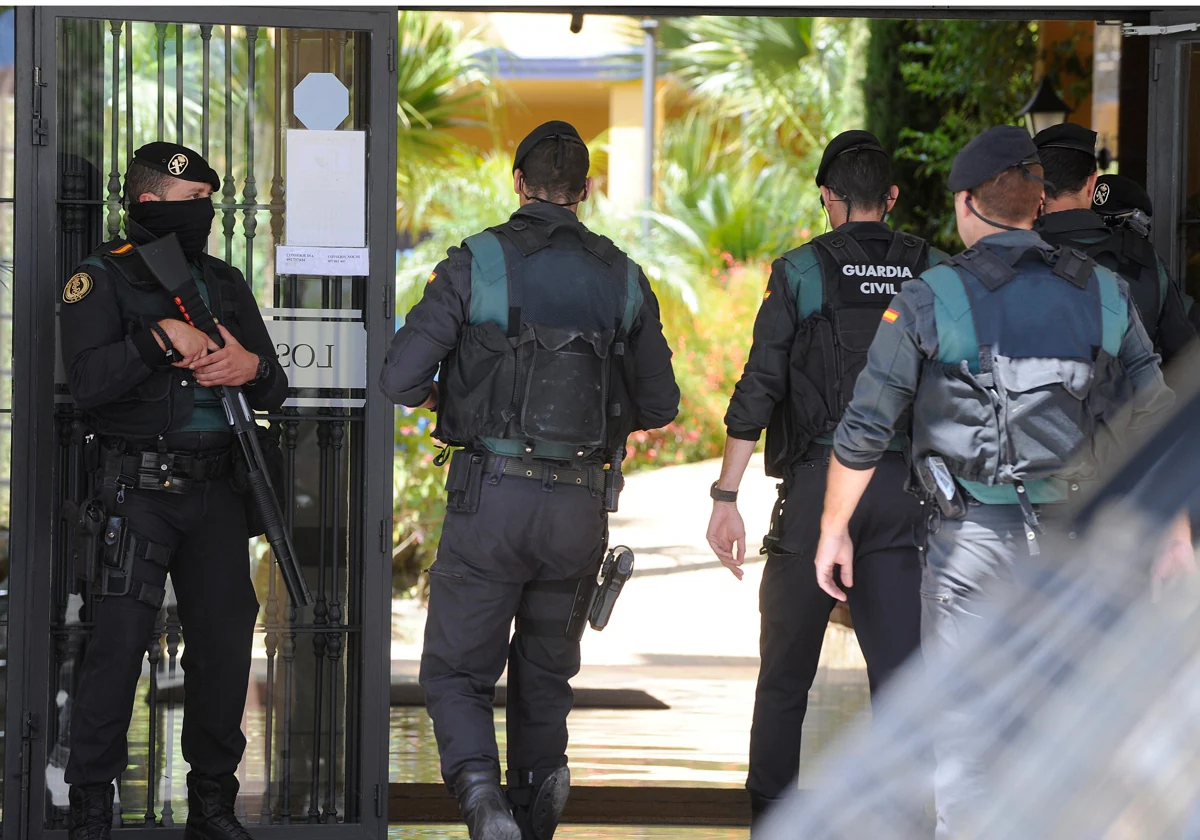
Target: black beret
{"type": "Point", "coordinates": [546, 131]}
{"type": "Point", "coordinates": [848, 141]}
{"type": "Point", "coordinates": [1067, 136]}
{"type": "Point", "coordinates": [1116, 195]}
{"type": "Point", "coordinates": [178, 162]}
{"type": "Point", "coordinates": [990, 153]}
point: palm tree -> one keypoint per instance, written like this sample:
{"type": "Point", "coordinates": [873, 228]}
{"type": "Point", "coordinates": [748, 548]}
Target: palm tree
{"type": "Point", "coordinates": [442, 83]}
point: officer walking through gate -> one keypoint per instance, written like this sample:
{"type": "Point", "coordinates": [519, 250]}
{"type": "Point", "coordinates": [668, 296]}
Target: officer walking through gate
{"type": "Point", "coordinates": [988, 351]}
{"type": "Point", "coordinates": [144, 377]}
{"type": "Point", "coordinates": [1074, 199]}
{"type": "Point", "coordinates": [550, 352]}
{"type": "Point", "coordinates": [820, 310]}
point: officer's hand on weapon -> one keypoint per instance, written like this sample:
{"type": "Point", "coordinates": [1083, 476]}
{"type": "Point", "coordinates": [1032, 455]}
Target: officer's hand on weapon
{"type": "Point", "coordinates": [232, 364]}
{"type": "Point", "coordinates": [725, 531]}
{"type": "Point", "coordinates": [833, 550]}
{"type": "Point", "coordinates": [190, 343]}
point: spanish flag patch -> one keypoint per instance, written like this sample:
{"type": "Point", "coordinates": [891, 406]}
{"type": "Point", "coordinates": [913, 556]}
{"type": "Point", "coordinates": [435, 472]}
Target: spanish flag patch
{"type": "Point", "coordinates": [432, 277]}
{"type": "Point", "coordinates": [766, 294]}
{"type": "Point", "coordinates": [890, 315]}
{"type": "Point", "coordinates": [123, 249]}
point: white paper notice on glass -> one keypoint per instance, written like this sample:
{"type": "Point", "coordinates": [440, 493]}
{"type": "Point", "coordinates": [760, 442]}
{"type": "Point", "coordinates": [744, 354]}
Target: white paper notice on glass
{"type": "Point", "coordinates": [326, 202]}
{"type": "Point", "coordinates": [313, 259]}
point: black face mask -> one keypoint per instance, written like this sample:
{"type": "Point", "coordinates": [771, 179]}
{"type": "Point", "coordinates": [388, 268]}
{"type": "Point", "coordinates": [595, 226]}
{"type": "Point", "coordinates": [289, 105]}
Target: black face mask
{"type": "Point", "coordinates": [190, 220]}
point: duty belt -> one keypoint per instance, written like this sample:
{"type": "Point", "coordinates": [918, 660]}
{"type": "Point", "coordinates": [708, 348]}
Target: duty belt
{"type": "Point", "coordinates": [174, 472]}
{"type": "Point", "coordinates": [546, 472]}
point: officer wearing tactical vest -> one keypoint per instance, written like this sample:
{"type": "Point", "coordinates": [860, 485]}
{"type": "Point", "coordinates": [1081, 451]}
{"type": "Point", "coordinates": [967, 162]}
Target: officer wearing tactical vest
{"type": "Point", "coordinates": [550, 352]}
{"type": "Point", "coordinates": [994, 353]}
{"type": "Point", "coordinates": [821, 308]}
{"type": "Point", "coordinates": [1068, 155]}
{"type": "Point", "coordinates": [143, 378]}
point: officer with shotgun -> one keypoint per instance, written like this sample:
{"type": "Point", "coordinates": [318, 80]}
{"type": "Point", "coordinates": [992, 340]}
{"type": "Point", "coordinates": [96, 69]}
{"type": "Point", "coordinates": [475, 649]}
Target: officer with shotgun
{"type": "Point", "coordinates": [167, 355]}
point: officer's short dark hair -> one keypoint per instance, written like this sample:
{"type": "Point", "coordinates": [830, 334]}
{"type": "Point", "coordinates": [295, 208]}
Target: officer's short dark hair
{"type": "Point", "coordinates": [142, 179]}
{"type": "Point", "coordinates": [1067, 170]}
{"type": "Point", "coordinates": [556, 183]}
{"type": "Point", "coordinates": [861, 178]}
{"type": "Point", "coordinates": [1010, 197]}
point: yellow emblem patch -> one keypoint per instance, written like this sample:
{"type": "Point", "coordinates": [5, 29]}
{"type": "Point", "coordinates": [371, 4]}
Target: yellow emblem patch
{"type": "Point", "coordinates": [766, 294]}
{"type": "Point", "coordinates": [890, 315]}
{"type": "Point", "coordinates": [432, 277]}
{"type": "Point", "coordinates": [123, 249]}
{"type": "Point", "coordinates": [77, 288]}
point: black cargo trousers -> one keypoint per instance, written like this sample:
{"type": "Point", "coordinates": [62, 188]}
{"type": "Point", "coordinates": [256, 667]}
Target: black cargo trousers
{"type": "Point", "coordinates": [206, 532]}
{"type": "Point", "coordinates": [884, 602]}
{"type": "Point", "coordinates": [519, 554]}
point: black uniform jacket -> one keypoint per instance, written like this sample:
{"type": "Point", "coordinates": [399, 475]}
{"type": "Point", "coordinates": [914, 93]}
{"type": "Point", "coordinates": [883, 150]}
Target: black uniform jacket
{"type": "Point", "coordinates": [119, 375]}
{"type": "Point", "coordinates": [431, 330]}
{"type": "Point", "coordinates": [1168, 325]}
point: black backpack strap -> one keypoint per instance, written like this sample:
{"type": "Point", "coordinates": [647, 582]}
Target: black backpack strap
{"type": "Point", "coordinates": [844, 249]}
{"type": "Point", "coordinates": [907, 250]}
{"type": "Point", "coordinates": [1072, 265]}
{"type": "Point", "coordinates": [991, 269]}
{"type": "Point", "coordinates": [528, 238]}
{"type": "Point", "coordinates": [600, 247]}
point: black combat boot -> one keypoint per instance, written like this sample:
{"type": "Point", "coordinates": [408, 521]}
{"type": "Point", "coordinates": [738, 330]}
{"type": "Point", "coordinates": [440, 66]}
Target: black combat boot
{"type": "Point", "coordinates": [484, 808]}
{"type": "Point", "coordinates": [759, 806]}
{"type": "Point", "coordinates": [91, 812]}
{"type": "Point", "coordinates": [210, 809]}
{"type": "Point", "coordinates": [538, 801]}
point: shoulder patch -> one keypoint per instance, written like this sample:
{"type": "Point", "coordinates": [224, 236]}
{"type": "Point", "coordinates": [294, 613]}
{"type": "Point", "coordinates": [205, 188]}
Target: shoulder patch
{"type": "Point", "coordinates": [890, 315]}
{"type": "Point", "coordinates": [432, 277]}
{"type": "Point", "coordinates": [77, 287]}
{"type": "Point", "coordinates": [122, 249]}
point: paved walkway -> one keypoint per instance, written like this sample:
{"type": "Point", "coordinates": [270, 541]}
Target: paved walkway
{"type": "Point", "coordinates": [682, 610]}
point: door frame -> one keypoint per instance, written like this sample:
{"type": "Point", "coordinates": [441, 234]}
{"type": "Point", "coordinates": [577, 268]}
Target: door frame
{"type": "Point", "coordinates": [34, 340]}
{"type": "Point", "coordinates": [1167, 123]}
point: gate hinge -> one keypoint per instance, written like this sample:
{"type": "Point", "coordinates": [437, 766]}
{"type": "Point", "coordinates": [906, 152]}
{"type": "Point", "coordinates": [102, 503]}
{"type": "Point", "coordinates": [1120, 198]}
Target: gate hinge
{"type": "Point", "coordinates": [389, 299]}
{"type": "Point", "coordinates": [379, 800]}
{"type": "Point", "coordinates": [391, 55]}
{"type": "Point", "coordinates": [29, 726]}
{"type": "Point", "coordinates": [41, 131]}
{"type": "Point", "coordinates": [1128, 29]}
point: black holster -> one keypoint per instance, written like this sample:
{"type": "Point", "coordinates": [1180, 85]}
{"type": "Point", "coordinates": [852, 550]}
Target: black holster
{"type": "Point", "coordinates": [464, 480]}
{"type": "Point", "coordinates": [86, 521]}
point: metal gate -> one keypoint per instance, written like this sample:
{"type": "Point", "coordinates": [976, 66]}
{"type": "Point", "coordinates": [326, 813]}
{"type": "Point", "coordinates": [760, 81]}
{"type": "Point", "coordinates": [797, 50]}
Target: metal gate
{"type": "Point", "coordinates": [1174, 147]}
{"type": "Point", "coordinates": [93, 85]}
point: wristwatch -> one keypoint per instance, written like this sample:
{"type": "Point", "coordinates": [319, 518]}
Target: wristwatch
{"type": "Point", "coordinates": [264, 370]}
{"type": "Point", "coordinates": [719, 495]}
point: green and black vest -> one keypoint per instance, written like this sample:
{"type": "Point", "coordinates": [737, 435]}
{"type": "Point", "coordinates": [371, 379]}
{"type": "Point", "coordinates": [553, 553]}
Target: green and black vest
{"type": "Point", "coordinates": [543, 366]}
{"type": "Point", "coordinates": [838, 309]}
{"type": "Point", "coordinates": [1027, 342]}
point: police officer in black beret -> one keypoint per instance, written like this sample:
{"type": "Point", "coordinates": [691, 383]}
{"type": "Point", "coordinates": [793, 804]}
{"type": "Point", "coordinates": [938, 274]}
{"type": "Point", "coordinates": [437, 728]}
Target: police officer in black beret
{"type": "Point", "coordinates": [822, 305]}
{"type": "Point", "coordinates": [144, 379]}
{"type": "Point", "coordinates": [1073, 194]}
{"type": "Point", "coordinates": [987, 351]}
{"type": "Point", "coordinates": [550, 352]}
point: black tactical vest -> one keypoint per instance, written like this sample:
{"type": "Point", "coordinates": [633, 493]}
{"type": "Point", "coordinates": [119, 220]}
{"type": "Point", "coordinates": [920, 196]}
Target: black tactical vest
{"type": "Point", "coordinates": [544, 361]}
{"type": "Point", "coordinates": [1133, 257]}
{"type": "Point", "coordinates": [837, 318]}
{"type": "Point", "coordinates": [160, 403]}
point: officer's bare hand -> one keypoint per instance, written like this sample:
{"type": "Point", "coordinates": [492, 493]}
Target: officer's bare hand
{"type": "Point", "coordinates": [726, 531]}
{"type": "Point", "coordinates": [834, 550]}
{"type": "Point", "coordinates": [1176, 556]}
{"type": "Point", "coordinates": [232, 364]}
{"type": "Point", "coordinates": [432, 400]}
{"type": "Point", "coordinates": [189, 342]}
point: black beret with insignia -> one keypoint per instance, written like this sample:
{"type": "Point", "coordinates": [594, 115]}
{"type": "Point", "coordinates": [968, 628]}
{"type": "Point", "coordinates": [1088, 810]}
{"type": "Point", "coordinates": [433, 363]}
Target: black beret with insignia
{"type": "Point", "coordinates": [990, 153]}
{"type": "Point", "coordinates": [846, 142]}
{"type": "Point", "coordinates": [1117, 195]}
{"type": "Point", "coordinates": [178, 162]}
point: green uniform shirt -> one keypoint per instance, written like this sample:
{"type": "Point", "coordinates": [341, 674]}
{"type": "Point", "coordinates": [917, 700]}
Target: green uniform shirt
{"type": "Point", "coordinates": [208, 415]}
